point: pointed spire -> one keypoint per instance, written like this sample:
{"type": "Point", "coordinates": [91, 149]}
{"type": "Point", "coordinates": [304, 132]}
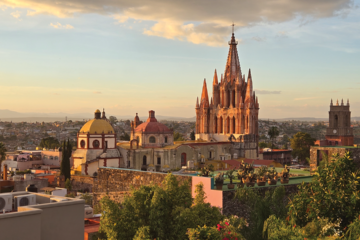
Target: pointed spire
{"type": "Point", "coordinates": [211, 102]}
{"type": "Point", "coordinates": [342, 102]}
{"type": "Point", "coordinates": [222, 78]}
{"type": "Point", "coordinates": [348, 102]}
{"type": "Point", "coordinates": [197, 102]}
{"type": "Point", "coordinates": [249, 74]}
{"type": "Point", "coordinates": [204, 102]}
{"type": "Point", "coordinates": [215, 82]}
{"type": "Point", "coordinates": [337, 102]}
{"type": "Point", "coordinates": [331, 103]}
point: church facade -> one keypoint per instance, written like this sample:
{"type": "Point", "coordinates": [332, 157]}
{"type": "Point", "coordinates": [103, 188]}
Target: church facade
{"type": "Point", "coordinates": [233, 108]}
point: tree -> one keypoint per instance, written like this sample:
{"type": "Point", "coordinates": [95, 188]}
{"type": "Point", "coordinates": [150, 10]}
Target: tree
{"type": "Point", "coordinates": [65, 162]}
{"type": "Point", "coordinates": [178, 137]}
{"type": "Point", "coordinates": [2, 151]}
{"type": "Point", "coordinates": [300, 143]}
{"type": "Point", "coordinates": [263, 145]}
{"type": "Point", "coordinates": [273, 133]}
{"type": "Point", "coordinates": [157, 212]}
{"type": "Point", "coordinates": [49, 143]}
{"type": "Point", "coordinates": [125, 137]}
{"type": "Point", "coordinates": [113, 120]}
{"type": "Point", "coordinates": [192, 135]}
{"type": "Point", "coordinates": [68, 184]}
{"type": "Point", "coordinates": [333, 194]}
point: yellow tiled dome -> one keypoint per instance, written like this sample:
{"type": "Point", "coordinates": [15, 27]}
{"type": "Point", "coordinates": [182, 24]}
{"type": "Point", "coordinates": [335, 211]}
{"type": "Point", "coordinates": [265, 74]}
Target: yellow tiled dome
{"type": "Point", "coordinates": [97, 126]}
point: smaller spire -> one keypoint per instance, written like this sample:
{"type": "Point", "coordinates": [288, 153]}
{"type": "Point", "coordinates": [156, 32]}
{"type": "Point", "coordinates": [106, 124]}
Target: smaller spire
{"type": "Point", "coordinates": [197, 103]}
{"type": "Point", "coordinates": [342, 102]}
{"type": "Point", "coordinates": [222, 78]}
{"type": "Point", "coordinates": [211, 102]}
{"type": "Point", "coordinates": [348, 102]}
{"type": "Point", "coordinates": [215, 82]}
{"type": "Point", "coordinates": [204, 102]}
{"type": "Point", "coordinates": [337, 102]}
{"type": "Point", "coordinates": [331, 102]}
{"type": "Point", "coordinates": [249, 75]}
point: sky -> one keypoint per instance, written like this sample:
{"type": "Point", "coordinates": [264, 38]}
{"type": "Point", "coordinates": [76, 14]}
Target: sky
{"type": "Point", "coordinates": [131, 56]}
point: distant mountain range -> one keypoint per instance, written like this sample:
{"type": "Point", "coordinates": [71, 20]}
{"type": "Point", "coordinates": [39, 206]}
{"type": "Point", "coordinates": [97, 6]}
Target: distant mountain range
{"type": "Point", "coordinates": [8, 115]}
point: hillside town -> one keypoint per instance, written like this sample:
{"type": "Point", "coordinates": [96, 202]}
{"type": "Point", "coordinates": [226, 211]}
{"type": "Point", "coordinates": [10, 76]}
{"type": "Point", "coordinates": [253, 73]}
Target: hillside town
{"type": "Point", "coordinates": [228, 175]}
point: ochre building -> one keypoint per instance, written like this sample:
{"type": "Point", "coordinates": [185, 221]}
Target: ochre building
{"type": "Point", "coordinates": [233, 108]}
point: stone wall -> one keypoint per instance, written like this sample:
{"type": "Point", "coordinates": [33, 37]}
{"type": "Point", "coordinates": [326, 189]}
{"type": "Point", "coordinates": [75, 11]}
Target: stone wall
{"type": "Point", "coordinates": [116, 182]}
{"type": "Point", "coordinates": [82, 183]}
{"type": "Point", "coordinates": [316, 155]}
{"type": "Point", "coordinates": [39, 183]}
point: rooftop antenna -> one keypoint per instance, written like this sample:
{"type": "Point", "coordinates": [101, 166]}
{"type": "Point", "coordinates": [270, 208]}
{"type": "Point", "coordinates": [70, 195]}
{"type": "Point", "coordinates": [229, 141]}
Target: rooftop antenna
{"type": "Point", "coordinates": [233, 26]}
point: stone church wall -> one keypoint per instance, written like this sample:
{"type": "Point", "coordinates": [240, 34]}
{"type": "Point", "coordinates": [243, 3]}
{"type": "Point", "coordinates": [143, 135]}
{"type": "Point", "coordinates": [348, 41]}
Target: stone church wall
{"type": "Point", "coordinates": [116, 183]}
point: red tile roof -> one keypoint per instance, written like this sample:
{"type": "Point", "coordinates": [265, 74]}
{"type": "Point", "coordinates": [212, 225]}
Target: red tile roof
{"type": "Point", "coordinates": [152, 126]}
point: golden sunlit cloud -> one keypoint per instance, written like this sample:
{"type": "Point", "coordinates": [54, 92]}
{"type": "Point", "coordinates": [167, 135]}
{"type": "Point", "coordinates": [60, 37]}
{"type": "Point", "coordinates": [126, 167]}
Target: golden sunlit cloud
{"type": "Point", "coordinates": [60, 26]}
{"type": "Point", "coordinates": [200, 23]}
{"type": "Point", "coordinates": [16, 14]}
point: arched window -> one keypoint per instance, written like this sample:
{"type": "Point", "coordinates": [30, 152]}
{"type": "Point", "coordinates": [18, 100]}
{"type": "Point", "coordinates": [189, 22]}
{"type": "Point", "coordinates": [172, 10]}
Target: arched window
{"type": "Point", "coordinates": [56, 158]}
{"type": "Point", "coordinates": [159, 160]}
{"type": "Point", "coordinates": [96, 144]}
{"type": "Point", "coordinates": [221, 125]}
{"type": "Point", "coordinates": [82, 144]}
{"type": "Point", "coordinates": [165, 140]}
{"type": "Point", "coordinates": [233, 125]}
{"type": "Point", "coordinates": [144, 160]}
{"type": "Point", "coordinates": [233, 98]}
{"type": "Point", "coordinates": [152, 139]}
{"type": "Point", "coordinates": [215, 125]}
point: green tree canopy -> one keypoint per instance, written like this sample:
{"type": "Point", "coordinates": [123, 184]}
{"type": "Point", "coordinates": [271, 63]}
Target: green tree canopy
{"type": "Point", "coordinates": [2, 151]}
{"type": "Point", "coordinates": [178, 137]}
{"type": "Point", "coordinates": [333, 194]}
{"type": "Point", "coordinates": [192, 135]}
{"type": "Point", "coordinates": [49, 143]}
{"type": "Point", "coordinates": [273, 133]}
{"type": "Point", "coordinates": [125, 137]}
{"type": "Point", "coordinates": [157, 212]}
{"type": "Point", "coordinates": [300, 143]}
{"type": "Point", "coordinates": [65, 161]}
{"type": "Point", "coordinates": [113, 119]}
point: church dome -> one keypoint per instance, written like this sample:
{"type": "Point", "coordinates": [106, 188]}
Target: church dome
{"type": "Point", "coordinates": [97, 125]}
{"type": "Point", "coordinates": [152, 125]}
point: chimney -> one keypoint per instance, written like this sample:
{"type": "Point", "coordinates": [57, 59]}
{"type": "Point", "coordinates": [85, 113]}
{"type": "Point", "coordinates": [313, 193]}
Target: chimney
{"type": "Point", "coordinates": [5, 172]}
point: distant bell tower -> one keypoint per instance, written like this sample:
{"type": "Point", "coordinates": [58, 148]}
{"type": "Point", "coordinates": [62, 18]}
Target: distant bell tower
{"type": "Point", "coordinates": [340, 131]}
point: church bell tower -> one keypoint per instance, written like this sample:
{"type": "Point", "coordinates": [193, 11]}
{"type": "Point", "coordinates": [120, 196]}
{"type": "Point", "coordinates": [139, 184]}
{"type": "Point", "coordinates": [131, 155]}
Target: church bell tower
{"type": "Point", "coordinates": [340, 131]}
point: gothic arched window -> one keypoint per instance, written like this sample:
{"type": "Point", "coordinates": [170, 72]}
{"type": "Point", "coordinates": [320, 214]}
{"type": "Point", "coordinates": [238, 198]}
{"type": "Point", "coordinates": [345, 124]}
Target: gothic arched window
{"type": "Point", "coordinates": [152, 139]}
{"type": "Point", "coordinates": [82, 143]}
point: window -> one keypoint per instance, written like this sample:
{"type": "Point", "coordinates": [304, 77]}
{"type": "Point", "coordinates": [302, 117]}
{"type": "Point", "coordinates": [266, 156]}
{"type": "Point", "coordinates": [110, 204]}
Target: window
{"type": "Point", "coordinates": [159, 160]}
{"type": "Point", "coordinates": [152, 140]}
{"type": "Point", "coordinates": [56, 158]}
{"type": "Point", "coordinates": [165, 139]}
{"type": "Point", "coordinates": [210, 155]}
{"type": "Point", "coordinates": [82, 144]}
{"type": "Point", "coordinates": [144, 160]}
{"type": "Point", "coordinates": [106, 144]}
{"type": "Point", "coordinates": [96, 144]}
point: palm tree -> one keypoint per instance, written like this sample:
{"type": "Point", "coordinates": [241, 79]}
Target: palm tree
{"type": "Point", "coordinates": [273, 133]}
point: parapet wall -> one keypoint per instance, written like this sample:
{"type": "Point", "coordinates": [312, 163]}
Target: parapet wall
{"type": "Point", "coordinates": [117, 182]}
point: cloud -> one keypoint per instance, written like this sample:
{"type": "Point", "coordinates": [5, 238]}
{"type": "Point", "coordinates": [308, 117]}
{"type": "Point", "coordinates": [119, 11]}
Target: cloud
{"type": "Point", "coordinates": [97, 92]}
{"type": "Point", "coordinates": [60, 26]}
{"type": "Point", "coordinates": [16, 14]}
{"type": "Point", "coordinates": [307, 98]}
{"type": "Point", "coordinates": [197, 22]}
{"type": "Point", "coordinates": [259, 39]}
{"type": "Point", "coordinates": [266, 92]}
